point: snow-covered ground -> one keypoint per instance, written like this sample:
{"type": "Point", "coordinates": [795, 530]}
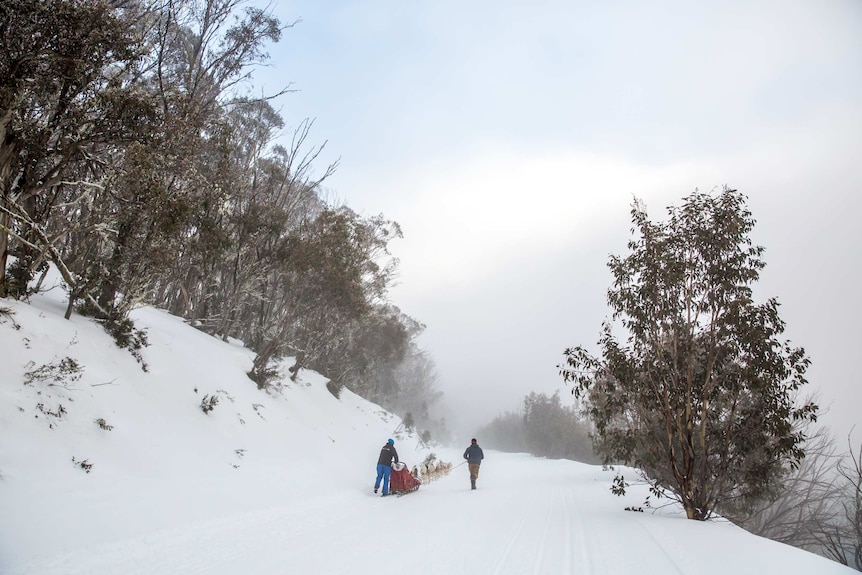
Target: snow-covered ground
{"type": "Point", "coordinates": [282, 483]}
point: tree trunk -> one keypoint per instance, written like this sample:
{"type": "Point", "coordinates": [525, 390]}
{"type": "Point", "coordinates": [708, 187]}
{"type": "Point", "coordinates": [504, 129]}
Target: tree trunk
{"type": "Point", "coordinates": [4, 251]}
{"type": "Point", "coordinates": [112, 283]}
{"type": "Point", "coordinates": [7, 150]}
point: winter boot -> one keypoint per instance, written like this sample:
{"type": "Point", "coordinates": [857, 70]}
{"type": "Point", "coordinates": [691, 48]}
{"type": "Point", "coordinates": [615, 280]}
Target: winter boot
{"type": "Point", "coordinates": [472, 484]}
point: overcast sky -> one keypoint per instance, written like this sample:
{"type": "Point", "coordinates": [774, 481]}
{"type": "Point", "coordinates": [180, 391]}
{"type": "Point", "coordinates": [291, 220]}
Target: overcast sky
{"type": "Point", "coordinates": [509, 138]}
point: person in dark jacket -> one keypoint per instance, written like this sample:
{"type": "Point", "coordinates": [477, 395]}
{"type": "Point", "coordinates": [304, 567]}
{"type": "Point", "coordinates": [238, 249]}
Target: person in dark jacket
{"type": "Point", "coordinates": [384, 466]}
{"type": "Point", "coordinates": [474, 457]}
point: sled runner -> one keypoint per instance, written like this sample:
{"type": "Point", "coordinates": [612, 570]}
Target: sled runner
{"type": "Point", "coordinates": [401, 481]}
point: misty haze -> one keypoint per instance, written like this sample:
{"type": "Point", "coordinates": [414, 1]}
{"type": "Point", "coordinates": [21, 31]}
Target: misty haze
{"type": "Point", "coordinates": [619, 236]}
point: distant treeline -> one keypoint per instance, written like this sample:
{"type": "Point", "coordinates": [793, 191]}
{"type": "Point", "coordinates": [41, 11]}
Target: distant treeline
{"type": "Point", "coordinates": [544, 427]}
{"type": "Point", "coordinates": [135, 159]}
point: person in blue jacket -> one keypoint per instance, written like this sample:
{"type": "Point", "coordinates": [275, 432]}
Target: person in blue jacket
{"type": "Point", "coordinates": [474, 457]}
{"type": "Point", "coordinates": [384, 466]}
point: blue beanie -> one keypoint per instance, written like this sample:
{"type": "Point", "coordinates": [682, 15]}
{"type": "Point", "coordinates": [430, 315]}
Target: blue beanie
{"type": "Point", "coordinates": [391, 442]}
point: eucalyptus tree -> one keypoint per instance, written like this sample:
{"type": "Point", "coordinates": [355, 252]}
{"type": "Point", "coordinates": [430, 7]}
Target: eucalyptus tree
{"type": "Point", "coordinates": [167, 203]}
{"type": "Point", "coordinates": [701, 394]}
{"type": "Point", "coordinates": [365, 352]}
{"type": "Point", "coordinates": [277, 195]}
{"type": "Point", "coordinates": [66, 106]}
{"type": "Point", "coordinates": [330, 278]}
{"type": "Point", "coordinates": [554, 430]}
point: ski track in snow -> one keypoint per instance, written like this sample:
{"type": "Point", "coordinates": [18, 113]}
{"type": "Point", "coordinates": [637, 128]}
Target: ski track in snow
{"type": "Point", "coordinates": [537, 517]}
{"type": "Point", "coordinates": [169, 496]}
{"type": "Point", "coordinates": [570, 510]}
{"type": "Point", "coordinates": [671, 564]}
{"type": "Point", "coordinates": [523, 515]}
{"type": "Point", "coordinates": [546, 532]}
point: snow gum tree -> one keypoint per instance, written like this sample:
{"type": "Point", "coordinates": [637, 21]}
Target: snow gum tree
{"type": "Point", "coordinates": [701, 394]}
{"type": "Point", "coordinates": [65, 106]}
{"type": "Point", "coordinates": [135, 158]}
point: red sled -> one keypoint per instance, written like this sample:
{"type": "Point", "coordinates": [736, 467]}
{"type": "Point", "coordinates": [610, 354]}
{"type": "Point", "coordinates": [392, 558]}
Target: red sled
{"type": "Point", "coordinates": [402, 481]}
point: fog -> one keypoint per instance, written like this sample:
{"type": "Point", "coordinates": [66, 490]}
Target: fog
{"type": "Point", "coordinates": [509, 141]}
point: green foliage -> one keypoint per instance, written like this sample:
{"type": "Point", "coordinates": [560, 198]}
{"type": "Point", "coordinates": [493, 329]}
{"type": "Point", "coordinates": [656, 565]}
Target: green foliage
{"type": "Point", "coordinates": [264, 376]}
{"type": "Point", "coordinates": [126, 336]}
{"type": "Point", "coordinates": [619, 485]}
{"type": "Point", "coordinates": [64, 100]}
{"type": "Point", "coordinates": [132, 161]}
{"type": "Point", "coordinates": [544, 428]}
{"type": "Point", "coordinates": [334, 388]}
{"type": "Point", "coordinates": [555, 431]}
{"type": "Point", "coordinates": [701, 395]}
{"type": "Point", "coordinates": [120, 327]}
{"type": "Point", "coordinates": [20, 273]}
{"type": "Point", "coordinates": [331, 313]}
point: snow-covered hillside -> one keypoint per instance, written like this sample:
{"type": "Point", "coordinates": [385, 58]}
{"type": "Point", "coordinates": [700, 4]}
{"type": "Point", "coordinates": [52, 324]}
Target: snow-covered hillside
{"type": "Point", "coordinates": [107, 469]}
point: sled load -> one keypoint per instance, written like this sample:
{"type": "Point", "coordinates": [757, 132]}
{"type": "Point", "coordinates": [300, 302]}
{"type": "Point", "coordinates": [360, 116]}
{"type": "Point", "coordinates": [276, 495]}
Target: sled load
{"type": "Point", "coordinates": [402, 481]}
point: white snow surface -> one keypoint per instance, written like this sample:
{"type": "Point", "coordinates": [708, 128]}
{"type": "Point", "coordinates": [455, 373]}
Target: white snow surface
{"type": "Point", "coordinates": [281, 483]}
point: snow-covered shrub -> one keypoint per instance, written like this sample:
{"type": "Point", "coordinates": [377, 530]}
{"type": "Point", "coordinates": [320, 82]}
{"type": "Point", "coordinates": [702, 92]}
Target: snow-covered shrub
{"type": "Point", "coordinates": [104, 424]}
{"type": "Point", "coordinates": [62, 372]}
{"type": "Point", "coordinates": [208, 403]}
{"type": "Point", "coordinates": [83, 464]}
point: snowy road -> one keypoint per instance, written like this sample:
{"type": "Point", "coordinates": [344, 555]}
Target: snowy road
{"type": "Point", "coordinates": [529, 516]}
{"type": "Point", "coordinates": [279, 482]}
